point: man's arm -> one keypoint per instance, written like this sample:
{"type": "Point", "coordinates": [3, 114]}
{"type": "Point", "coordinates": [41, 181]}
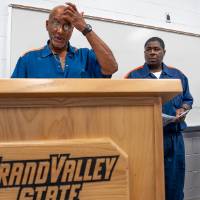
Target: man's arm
{"type": "Point", "coordinates": [103, 53]}
{"type": "Point", "coordinates": [187, 100]}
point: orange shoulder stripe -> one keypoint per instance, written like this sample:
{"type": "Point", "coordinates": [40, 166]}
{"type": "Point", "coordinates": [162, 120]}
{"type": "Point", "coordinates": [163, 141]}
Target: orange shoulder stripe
{"type": "Point", "coordinates": [34, 49]}
{"type": "Point", "coordinates": [176, 69]}
{"type": "Point", "coordinates": [171, 67]}
{"type": "Point", "coordinates": [126, 76]}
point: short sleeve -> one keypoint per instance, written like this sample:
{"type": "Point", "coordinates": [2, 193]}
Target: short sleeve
{"type": "Point", "coordinates": [187, 97]}
{"type": "Point", "coordinates": [20, 69]}
{"type": "Point", "coordinates": [94, 67]}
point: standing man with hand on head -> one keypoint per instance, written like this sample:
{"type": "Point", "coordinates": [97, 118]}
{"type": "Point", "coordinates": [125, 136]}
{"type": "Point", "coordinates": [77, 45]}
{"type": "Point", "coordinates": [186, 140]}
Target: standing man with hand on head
{"type": "Point", "coordinates": [58, 59]}
{"type": "Point", "coordinates": [174, 152]}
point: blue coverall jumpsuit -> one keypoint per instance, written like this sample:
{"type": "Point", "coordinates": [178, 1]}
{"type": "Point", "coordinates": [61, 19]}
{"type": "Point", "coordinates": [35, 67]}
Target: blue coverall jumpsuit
{"type": "Point", "coordinates": [42, 63]}
{"type": "Point", "coordinates": [174, 151]}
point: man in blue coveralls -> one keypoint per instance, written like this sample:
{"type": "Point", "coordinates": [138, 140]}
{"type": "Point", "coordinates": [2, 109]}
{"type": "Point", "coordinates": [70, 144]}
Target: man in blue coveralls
{"type": "Point", "coordinates": [174, 152]}
{"type": "Point", "coordinates": [58, 59]}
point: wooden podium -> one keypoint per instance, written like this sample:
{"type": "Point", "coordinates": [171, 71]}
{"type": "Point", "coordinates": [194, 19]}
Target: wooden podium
{"type": "Point", "coordinates": [82, 139]}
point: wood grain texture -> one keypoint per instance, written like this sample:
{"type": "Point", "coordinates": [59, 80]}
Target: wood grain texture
{"type": "Point", "coordinates": [159, 154]}
{"type": "Point", "coordinates": [130, 118]}
{"type": "Point", "coordinates": [89, 87]}
{"type": "Point", "coordinates": [130, 127]}
{"type": "Point", "coordinates": [73, 102]}
{"type": "Point", "coordinates": [81, 152]}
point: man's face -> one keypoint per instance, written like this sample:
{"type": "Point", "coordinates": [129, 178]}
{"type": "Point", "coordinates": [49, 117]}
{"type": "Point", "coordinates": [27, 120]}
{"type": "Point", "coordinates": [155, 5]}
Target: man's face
{"type": "Point", "coordinates": [59, 30]}
{"type": "Point", "coordinates": [154, 54]}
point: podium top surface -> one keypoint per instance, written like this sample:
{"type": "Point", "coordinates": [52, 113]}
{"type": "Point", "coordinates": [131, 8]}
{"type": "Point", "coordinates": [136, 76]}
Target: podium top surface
{"type": "Point", "coordinates": [165, 88]}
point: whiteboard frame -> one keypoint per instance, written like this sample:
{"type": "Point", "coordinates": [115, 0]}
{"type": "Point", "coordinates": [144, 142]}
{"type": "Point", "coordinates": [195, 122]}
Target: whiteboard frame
{"type": "Point", "coordinates": [19, 6]}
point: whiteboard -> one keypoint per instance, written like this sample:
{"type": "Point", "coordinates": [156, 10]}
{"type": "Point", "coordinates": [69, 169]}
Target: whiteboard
{"type": "Point", "coordinates": [126, 41]}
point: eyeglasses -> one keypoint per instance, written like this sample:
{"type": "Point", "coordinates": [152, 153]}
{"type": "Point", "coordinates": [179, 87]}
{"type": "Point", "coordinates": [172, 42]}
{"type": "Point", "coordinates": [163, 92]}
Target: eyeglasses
{"type": "Point", "coordinates": [65, 27]}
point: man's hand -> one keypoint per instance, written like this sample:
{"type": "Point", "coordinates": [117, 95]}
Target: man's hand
{"type": "Point", "coordinates": [72, 15]}
{"type": "Point", "coordinates": [179, 112]}
{"type": "Point", "coordinates": [103, 53]}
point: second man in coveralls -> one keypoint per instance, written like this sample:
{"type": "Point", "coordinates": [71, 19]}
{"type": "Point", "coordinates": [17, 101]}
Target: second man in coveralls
{"type": "Point", "coordinates": [174, 152]}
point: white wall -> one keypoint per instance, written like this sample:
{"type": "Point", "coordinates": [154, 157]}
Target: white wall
{"type": "Point", "coordinates": [184, 16]}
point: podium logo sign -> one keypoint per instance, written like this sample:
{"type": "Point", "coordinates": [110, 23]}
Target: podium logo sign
{"type": "Point", "coordinates": [56, 177]}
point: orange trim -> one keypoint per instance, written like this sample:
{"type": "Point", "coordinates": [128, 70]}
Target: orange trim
{"type": "Point", "coordinates": [126, 76]}
{"type": "Point", "coordinates": [35, 49]}
{"type": "Point", "coordinates": [176, 69]}
{"type": "Point", "coordinates": [172, 67]}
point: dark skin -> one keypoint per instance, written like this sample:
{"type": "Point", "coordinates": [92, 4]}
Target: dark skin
{"type": "Point", "coordinates": [69, 15]}
{"type": "Point", "coordinates": [154, 54]}
{"type": "Point", "coordinates": [58, 37]}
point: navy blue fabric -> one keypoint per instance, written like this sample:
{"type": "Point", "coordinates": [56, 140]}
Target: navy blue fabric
{"type": "Point", "coordinates": [42, 63]}
{"type": "Point", "coordinates": [174, 158]}
{"type": "Point", "coordinates": [174, 152]}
